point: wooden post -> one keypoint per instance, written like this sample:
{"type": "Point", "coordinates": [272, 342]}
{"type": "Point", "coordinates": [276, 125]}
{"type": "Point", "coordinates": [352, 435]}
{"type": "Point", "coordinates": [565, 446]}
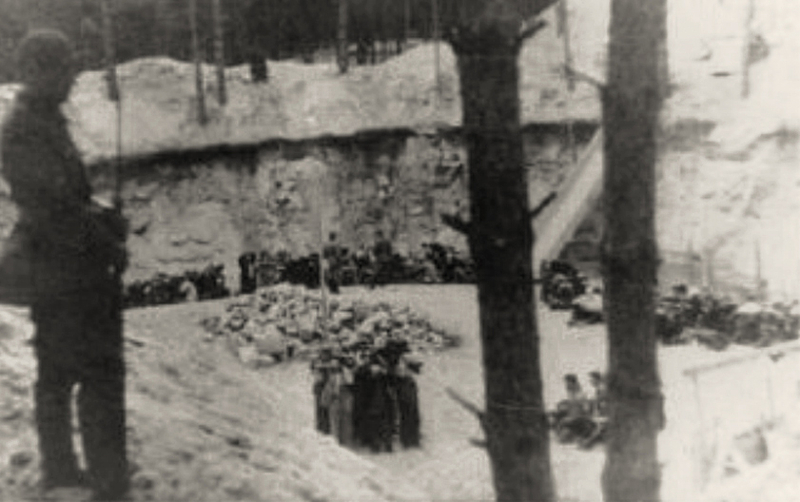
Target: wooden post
{"type": "Point", "coordinates": [219, 51]}
{"type": "Point", "coordinates": [202, 117]}
{"type": "Point", "coordinates": [760, 290]}
{"type": "Point", "coordinates": [319, 197]}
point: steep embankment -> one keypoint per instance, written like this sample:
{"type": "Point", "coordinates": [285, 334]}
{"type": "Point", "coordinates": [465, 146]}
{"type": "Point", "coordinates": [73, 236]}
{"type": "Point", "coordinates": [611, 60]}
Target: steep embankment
{"type": "Point", "coordinates": [200, 426]}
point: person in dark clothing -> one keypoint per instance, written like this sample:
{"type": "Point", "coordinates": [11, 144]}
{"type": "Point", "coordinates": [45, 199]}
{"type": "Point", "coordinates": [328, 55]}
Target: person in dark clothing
{"type": "Point", "coordinates": [408, 403]}
{"type": "Point", "coordinates": [247, 273]}
{"type": "Point", "coordinates": [380, 412]}
{"type": "Point", "coordinates": [77, 254]}
{"type": "Point", "coordinates": [408, 410]}
{"type": "Point", "coordinates": [382, 259]}
{"type": "Point", "coordinates": [374, 410]}
{"type": "Point", "coordinates": [332, 254]}
{"type": "Point", "coordinates": [322, 368]}
{"type": "Point", "coordinates": [401, 367]}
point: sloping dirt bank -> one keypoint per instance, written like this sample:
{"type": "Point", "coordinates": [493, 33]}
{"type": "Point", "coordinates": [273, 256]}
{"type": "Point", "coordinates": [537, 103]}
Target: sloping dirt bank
{"type": "Point", "coordinates": [200, 426]}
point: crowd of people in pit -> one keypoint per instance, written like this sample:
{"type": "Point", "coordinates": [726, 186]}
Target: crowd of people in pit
{"type": "Point", "coordinates": [377, 265]}
{"type": "Point", "coordinates": [193, 285]}
{"type": "Point", "coordinates": [366, 395]}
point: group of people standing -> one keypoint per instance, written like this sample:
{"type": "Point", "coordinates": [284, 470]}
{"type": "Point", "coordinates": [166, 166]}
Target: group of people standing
{"type": "Point", "coordinates": [372, 266]}
{"type": "Point", "coordinates": [366, 396]}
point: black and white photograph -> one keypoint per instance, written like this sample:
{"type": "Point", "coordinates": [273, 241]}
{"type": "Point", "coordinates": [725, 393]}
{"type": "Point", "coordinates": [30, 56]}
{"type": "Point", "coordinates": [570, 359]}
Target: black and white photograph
{"type": "Point", "coordinates": [399, 250]}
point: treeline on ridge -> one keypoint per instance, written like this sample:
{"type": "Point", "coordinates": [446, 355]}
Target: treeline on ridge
{"type": "Point", "coordinates": [274, 29]}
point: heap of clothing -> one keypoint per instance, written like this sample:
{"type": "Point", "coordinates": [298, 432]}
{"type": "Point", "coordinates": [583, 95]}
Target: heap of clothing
{"type": "Point", "coordinates": [693, 317]}
{"type": "Point", "coordinates": [365, 394]}
{"type": "Point", "coordinates": [581, 419]}
{"type": "Point", "coordinates": [285, 321]}
{"type": "Point", "coordinates": [561, 283]}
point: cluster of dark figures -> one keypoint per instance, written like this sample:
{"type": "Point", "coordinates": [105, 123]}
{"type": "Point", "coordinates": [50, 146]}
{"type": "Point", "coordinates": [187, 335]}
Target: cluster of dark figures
{"type": "Point", "coordinates": [561, 284]}
{"type": "Point", "coordinates": [376, 266]}
{"type": "Point", "coordinates": [685, 316]}
{"type": "Point", "coordinates": [194, 285]}
{"type": "Point", "coordinates": [564, 287]}
{"type": "Point", "coordinates": [366, 396]}
{"type": "Point", "coordinates": [580, 418]}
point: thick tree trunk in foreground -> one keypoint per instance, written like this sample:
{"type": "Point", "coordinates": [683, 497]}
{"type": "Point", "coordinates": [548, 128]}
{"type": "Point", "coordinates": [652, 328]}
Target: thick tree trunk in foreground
{"type": "Point", "coordinates": [631, 103]}
{"type": "Point", "coordinates": [501, 241]}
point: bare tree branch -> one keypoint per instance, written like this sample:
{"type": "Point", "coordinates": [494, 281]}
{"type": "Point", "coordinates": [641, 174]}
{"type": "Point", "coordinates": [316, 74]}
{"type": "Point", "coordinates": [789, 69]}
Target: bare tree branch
{"type": "Point", "coordinates": [478, 443]}
{"type": "Point", "coordinates": [543, 205]}
{"type": "Point", "coordinates": [579, 75]}
{"type": "Point", "coordinates": [529, 31]}
{"type": "Point", "coordinates": [466, 404]}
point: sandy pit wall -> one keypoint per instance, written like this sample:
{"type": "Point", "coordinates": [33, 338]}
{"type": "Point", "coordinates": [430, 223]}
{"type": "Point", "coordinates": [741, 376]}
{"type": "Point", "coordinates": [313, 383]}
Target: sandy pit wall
{"type": "Point", "coordinates": [191, 209]}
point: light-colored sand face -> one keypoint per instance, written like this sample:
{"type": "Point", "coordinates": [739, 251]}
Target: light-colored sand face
{"type": "Point", "coordinates": [734, 185]}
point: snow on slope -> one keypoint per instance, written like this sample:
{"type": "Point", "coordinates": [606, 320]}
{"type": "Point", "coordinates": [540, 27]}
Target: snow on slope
{"type": "Point", "coordinates": [201, 427]}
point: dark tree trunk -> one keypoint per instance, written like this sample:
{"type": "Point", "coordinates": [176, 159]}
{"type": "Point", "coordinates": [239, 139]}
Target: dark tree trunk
{"type": "Point", "coordinates": [406, 24]}
{"type": "Point", "coordinates": [436, 35]}
{"type": "Point", "coordinates": [219, 51]}
{"type": "Point", "coordinates": [631, 104]}
{"type": "Point", "coordinates": [109, 50]}
{"type": "Point", "coordinates": [501, 241]}
{"type": "Point", "coordinates": [342, 45]}
{"type": "Point", "coordinates": [198, 64]}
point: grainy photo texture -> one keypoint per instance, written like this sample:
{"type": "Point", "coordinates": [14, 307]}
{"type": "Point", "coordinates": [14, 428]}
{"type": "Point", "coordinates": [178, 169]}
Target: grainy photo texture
{"type": "Point", "coordinates": [407, 250]}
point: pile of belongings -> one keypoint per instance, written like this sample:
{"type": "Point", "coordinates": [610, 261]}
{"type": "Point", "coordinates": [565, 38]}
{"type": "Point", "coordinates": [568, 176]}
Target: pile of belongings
{"type": "Point", "coordinates": [162, 289]}
{"type": "Point", "coordinates": [588, 307]}
{"type": "Point", "coordinates": [561, 283]}
{"type": "Point", "coordinates": [688, 316]}
{"type": "Point", "coordinates": [365, 393]}
{"type": "Point", "coordinates": [449, 265]}
{"type": "Point", "coordinates": [286, 321]}
{"type": "Point", "coordinates": [581, 419]}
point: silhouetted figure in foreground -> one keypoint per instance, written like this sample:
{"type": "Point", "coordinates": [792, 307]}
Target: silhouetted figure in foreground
{"type": "Point", "coordinates": [77, 254]}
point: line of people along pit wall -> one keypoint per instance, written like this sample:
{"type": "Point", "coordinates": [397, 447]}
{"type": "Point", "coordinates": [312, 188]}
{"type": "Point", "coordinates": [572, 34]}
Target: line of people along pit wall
{"type": "Point", "coordinates": [364, 358]}
{"type": "Point", "coordinates": [433, 263]}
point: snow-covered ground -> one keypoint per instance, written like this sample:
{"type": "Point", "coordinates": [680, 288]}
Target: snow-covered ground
{"type": "Point", "coordinates": [204, 427]}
